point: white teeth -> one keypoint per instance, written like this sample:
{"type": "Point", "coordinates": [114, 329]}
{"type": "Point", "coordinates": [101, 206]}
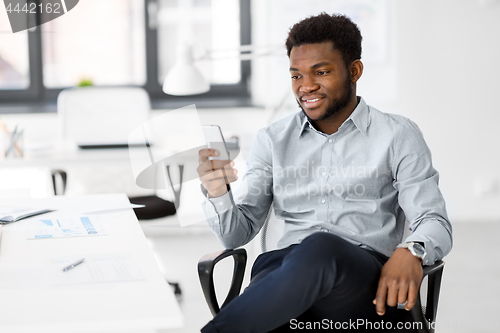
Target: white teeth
{"type": "Point", "coordinates": [312, 100]}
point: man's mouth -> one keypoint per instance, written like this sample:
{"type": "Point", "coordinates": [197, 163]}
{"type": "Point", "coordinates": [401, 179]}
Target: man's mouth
{"type": "Point", "coordinates": [312, 102]}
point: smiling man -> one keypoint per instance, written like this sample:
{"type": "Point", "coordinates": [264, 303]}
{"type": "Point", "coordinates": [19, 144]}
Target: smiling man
{"type": "Point", "coordinates": [344, 177]}
{"type": "Point", "coordinates": [323, 84]}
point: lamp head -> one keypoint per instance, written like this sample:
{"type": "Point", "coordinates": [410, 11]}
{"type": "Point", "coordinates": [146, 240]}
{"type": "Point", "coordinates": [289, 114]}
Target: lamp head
{"type": "Point", "coordinates": [184, 78]}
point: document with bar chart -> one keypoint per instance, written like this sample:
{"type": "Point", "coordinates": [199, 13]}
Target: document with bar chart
{"type": "Point", "coordinates": [64, 227]}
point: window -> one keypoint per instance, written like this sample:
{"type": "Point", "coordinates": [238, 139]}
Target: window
{"type": "Point", "coordinates": [14, 57]}
{"type": "Point", "coordinates": [92, 45]}
{"type": "Point", "coordinates": [126, 42]}
{"type": "Point", "coordinates": [18, 66]}
{"type": "Point", "coordinates": [212, 25]}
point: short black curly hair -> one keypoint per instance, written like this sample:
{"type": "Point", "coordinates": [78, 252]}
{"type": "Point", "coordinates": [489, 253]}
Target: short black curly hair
{"type": "Point", "coordinates": [337, 28]}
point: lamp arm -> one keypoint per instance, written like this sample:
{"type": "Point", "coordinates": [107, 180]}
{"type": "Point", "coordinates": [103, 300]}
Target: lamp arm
{"type": "Point", "coordinates": [245, 52]}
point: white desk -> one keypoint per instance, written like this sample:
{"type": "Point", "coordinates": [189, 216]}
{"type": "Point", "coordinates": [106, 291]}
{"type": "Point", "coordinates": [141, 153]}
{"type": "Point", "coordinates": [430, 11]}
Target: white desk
{"type": "Point", "coordinates": [61, 154]}
{"type": "Point", "coordinates": [137, 306]}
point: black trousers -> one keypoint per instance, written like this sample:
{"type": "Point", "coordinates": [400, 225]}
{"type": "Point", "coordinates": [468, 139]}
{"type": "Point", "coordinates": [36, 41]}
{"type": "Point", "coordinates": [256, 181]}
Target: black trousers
{"type": "Point", "coordinates": [323, 283]}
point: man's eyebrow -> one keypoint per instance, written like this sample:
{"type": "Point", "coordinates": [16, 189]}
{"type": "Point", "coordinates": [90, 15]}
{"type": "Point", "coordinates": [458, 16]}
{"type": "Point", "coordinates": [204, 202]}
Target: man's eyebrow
{"type": "Point", "coordinates": [324, 63]}
{"type": "Point", "coordinates": [320, 64]}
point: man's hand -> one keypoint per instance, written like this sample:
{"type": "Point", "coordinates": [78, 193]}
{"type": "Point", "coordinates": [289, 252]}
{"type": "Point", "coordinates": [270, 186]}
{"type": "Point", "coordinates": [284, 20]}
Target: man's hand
{"type": "Point", "coordinates": [215, 174]}
{"type": "Point", "coordinates": [399, 282]}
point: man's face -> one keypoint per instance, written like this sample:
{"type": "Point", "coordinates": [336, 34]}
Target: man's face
{"type": "Point", "coordinates": [320, 80]}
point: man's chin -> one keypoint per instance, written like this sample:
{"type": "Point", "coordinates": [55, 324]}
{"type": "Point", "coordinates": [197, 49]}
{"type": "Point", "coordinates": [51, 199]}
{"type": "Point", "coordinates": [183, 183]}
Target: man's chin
{"type": "Point", "coordinates": [313, 114]}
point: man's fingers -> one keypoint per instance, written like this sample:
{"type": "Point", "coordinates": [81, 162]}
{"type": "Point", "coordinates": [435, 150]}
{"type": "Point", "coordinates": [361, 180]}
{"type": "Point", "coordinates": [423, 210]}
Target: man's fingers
{"type": "Point", "coordinates": [219, 174]}
{"type": "Point", "coordinates": [412, 296]}
{"type": "Point", "coordinates": [399, 281]}
{"type": "Point", "coordinates": [204, 154]}
{"type": "Point", "coordinates": [402, 294]}
{"type": "Point", "coordinates": [392, 294]}
{"type": "Point", "coordinates": [217, 186]}
{"type": "Point", "coordinates": [215, 174]}
{"type": "Point", "coordinates": [210, 166]}
{"type": "Point", "coordinates": [380, 298]}
{"type": "Point", "coordinates": [218, 179]}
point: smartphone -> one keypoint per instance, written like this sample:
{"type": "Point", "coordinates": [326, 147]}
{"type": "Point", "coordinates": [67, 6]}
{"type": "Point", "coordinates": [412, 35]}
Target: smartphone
{"type": "Point", "coordinates": [215, 140]}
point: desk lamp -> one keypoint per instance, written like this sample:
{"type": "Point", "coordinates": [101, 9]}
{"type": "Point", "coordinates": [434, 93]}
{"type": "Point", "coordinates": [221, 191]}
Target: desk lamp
{"type": "Point", "coordinates": [185, 79]}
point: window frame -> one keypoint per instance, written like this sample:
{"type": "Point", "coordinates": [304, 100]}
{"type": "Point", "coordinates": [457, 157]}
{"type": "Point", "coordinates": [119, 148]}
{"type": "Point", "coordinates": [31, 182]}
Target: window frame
{"type": "Point", "coordinates": [38, 98]}
{"type": "Point", "coordinates": [220, 94]}
{"type": "Point", "coordinates": [34, 91]}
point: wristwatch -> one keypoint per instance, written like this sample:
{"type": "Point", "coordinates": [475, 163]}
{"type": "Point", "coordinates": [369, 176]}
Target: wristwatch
{"type": "Point", "coordinates": [415, 248]}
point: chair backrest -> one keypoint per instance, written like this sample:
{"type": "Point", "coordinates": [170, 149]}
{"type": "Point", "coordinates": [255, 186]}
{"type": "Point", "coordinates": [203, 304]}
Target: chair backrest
{"type": "Point", "coordinates": [100, 116]}
{"type": "Point", "coordinates": [25, 182]}
{"type": "Point", "coordinates": [271, 232]}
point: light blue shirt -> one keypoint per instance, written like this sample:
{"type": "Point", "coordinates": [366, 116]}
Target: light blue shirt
{"type": "Point", "coordinates": [359, 183]}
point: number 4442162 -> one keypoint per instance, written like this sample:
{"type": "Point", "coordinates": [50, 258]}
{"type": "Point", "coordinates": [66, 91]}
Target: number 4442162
{"type": "Point", "coordinates": [32, 8]}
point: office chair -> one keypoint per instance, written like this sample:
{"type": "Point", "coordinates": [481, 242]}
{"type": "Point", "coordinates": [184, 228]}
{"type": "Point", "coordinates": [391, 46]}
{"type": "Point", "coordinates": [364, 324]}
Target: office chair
{"type": "Point", "coordinates": [59, 181]}
{"type": "Point", "coordinates": [100, 117]}
{"type": "Point", "coordinates": [423, 312]}
{"type": "Point", "coordinates": [35, 182]}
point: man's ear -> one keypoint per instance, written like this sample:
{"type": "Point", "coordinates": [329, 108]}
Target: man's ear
{"type": "Point", "coordinates": [356, 70]}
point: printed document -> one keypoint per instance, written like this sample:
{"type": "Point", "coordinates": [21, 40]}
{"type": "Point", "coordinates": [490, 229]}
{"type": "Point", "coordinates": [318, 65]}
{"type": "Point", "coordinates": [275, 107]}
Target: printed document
{"type": "Point", "coordinates": [64, 227]}
{"type": "Point", "coordinates": [98, 268]}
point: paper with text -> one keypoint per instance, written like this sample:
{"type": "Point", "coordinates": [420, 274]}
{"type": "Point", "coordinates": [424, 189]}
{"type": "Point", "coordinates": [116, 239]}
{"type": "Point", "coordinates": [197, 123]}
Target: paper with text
{"type": "Point", "coordinates": [98, 268]}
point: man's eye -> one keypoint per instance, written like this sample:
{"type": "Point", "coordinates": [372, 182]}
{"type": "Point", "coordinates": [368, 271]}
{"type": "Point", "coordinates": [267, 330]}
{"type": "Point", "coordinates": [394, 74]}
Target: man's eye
{"type": "Point", "coordinates": [295, 77]}
{"type": "Point", "coordinates": [322, 72]}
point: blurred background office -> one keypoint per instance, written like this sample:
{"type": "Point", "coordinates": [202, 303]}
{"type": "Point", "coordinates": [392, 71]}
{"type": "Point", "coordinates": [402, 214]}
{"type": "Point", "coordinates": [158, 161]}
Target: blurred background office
{"type": "Point", "coordinates": [436, 62]}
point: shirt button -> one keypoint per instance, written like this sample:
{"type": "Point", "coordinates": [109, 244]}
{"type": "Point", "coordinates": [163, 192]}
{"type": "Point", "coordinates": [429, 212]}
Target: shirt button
{"type": "Point", "coordinates": [324, 174]}
{"type": "Point", "coordinates": [323, 200]}
{"type": "Point", "coordinates": [330, 140]}
{"type": "Point", "coordinates": [221, 203]}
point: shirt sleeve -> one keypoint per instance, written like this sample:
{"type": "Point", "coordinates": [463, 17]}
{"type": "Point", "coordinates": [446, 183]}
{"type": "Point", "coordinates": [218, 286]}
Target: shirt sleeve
{"type": "Point", "coordinates": [236, 218]}
{"type": "Point", "coordinates": [419, 196]}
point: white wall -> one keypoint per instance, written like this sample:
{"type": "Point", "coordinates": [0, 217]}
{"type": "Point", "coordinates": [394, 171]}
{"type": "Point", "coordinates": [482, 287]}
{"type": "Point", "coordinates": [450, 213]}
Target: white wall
{"type": "Point", "coordinates": [448, 72]}
{"type": "Point", "coordinates": [442, 72]}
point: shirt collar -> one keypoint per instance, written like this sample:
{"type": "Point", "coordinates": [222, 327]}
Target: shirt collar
{"type": "Point", "coordinates": [360, 117]}
{"type": "Point", "coordinates": [304, 124]}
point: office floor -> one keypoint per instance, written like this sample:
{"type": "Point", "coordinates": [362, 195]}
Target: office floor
{"type": "Point", "coordinates": [177, 254]}
{"type": "Point", "coordinates": [469, 301]}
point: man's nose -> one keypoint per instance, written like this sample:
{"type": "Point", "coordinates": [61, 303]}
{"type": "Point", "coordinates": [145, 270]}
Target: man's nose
{"type": "Point", "coordinates": [308, 85]}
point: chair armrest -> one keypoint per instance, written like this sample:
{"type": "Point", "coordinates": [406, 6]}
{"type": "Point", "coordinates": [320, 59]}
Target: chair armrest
{"type": "Point", "coordinates": [63, 176]}
{"type": "Point", "coordinates": [432, 269]}
{"type": "Point", "coordinates": [206, 267]}
{"type": "Point", "coordinates": [434, 274]}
